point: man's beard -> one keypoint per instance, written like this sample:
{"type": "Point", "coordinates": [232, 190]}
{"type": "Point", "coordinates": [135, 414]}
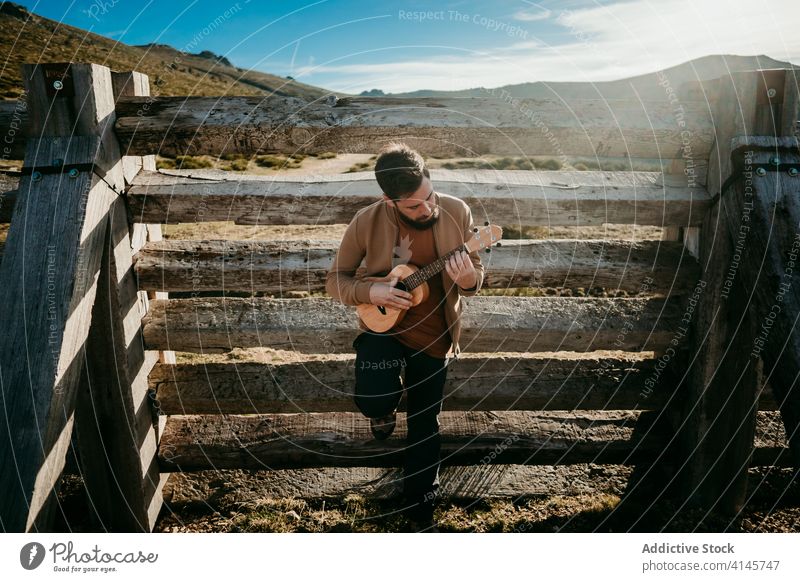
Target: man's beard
{"type": "Point", "coordinates": [420, 225]}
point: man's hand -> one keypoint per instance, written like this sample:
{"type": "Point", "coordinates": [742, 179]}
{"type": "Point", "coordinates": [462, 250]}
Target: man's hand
{"type": "Point", "coordinates": [388, 295]}
{"type": "Point", "coordinates": [461, 270]}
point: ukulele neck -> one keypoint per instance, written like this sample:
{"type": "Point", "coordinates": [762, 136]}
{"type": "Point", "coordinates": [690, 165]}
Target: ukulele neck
{"type": "Point", "coordinates": [419, 277]}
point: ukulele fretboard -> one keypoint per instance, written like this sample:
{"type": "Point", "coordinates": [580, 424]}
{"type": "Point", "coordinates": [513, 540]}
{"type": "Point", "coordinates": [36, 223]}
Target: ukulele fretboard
{"type": "Point", "coordinates": [419, 277]}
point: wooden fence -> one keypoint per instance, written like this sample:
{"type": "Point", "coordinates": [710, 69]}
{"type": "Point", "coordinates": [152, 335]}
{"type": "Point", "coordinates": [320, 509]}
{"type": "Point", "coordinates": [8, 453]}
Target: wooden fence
{"type": "Point", "coordinates": [90, 333]}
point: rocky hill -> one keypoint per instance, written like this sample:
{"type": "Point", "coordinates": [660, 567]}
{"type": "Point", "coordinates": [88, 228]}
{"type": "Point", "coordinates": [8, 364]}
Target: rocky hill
{"type": "Point", "coordinates": [26, 37]}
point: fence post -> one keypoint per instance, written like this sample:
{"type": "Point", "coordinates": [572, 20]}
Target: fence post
{"type": "Point", "coordinates": [117, 439]}
{"type": "Point", "coordinates": [723, 381]}
{"type": "Point", "coordinates": [48, 279]}
{"type": "Point", "coordinates": [771, 268]}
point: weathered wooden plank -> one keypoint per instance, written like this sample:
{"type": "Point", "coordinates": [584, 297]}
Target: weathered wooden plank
{"type": "Point", "coordinates": [586, 381]}
{"type": "Point", "coordinates": [281, 441]}
{"type": "Point", "coordinates": [47, 288]}
{"type": "Point", "coordinates": [194, 266]}
{"type": "Point", "coordinates": [443, 127]}
{"type": "Point", "coordinates": [193, 443]}
{"type": "Point", "coordinates": [769, 267]}
{"type": "Point", "coordinates": [458, 481]}
{"type": "Point", "coordinates": [583, 381]}
{"type": "Point", "coordinates": [316, 325]}
{"type": "Point", "coordinates": [719, 411]}
{"type": "Point", "coordinates": [501, 197]}
{"type": "Point", "coordinates": [553, 198]}
{"type": "Point", "coordinates": [117, 464]}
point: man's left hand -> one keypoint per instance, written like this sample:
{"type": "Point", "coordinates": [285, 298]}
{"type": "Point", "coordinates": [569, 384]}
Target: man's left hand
{"type": "Point", "coordinates": [461, 270]}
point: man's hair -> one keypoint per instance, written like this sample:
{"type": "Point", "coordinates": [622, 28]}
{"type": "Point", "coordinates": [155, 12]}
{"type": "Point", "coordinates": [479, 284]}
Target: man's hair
{"type": "Point", "coordinates": [399, 170]}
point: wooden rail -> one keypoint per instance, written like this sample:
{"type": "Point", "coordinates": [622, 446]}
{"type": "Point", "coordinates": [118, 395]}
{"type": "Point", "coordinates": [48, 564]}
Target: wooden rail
{"type": "Point", "coordinates": [515, 324]}
{"type": "Point", "coordinates": [442, 127]}
{"type": "Point", "coordinates": [271, 266]}
{"type": "Point", "coordinates": [193, 443]}
{"type": "Point", "coordinates": [504, 196]}
{"type": "Point", "coordinates": [624, 381]}
{"type": "Point", "coordinates": [501, 197]}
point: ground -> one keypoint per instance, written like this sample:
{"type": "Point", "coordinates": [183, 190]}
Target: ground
{"type": "Point", "coordinates": [229, 505]}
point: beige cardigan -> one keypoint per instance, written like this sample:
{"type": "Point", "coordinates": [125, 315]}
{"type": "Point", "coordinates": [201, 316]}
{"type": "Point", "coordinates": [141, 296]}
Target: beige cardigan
{"type": "Point", "coordinates": [372, 235]}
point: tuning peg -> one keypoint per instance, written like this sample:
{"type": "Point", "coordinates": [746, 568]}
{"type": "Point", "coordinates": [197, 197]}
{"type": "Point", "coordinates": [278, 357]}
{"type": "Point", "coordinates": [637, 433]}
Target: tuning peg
{"type": "Point", "coordinates": [486, 223]}
{"type": "Point", "coordinates": [475, 229]}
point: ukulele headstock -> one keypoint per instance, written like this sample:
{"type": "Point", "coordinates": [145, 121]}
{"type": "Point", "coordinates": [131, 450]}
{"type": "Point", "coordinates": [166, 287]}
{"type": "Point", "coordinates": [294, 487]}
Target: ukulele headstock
{"type": "Point", "coordinates": [484, 237]}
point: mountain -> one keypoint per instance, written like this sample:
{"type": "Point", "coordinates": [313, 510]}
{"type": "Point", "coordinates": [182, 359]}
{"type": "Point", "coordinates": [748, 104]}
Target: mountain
{"type": "Point", "coordinates": [644, 86]}
{"type": "Point", "coordinates": [26, 37]}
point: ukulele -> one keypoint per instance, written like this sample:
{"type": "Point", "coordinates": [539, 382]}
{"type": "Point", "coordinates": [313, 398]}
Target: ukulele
{"type": "Point", "coordinates": [412, 279]}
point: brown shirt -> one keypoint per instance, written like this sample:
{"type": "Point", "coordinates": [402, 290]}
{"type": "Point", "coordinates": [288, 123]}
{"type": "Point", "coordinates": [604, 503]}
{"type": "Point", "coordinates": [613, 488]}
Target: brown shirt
{"type": "Point", "coordinates": [424, 326]}
{"type": "Point", "coordinates": [371, 236]}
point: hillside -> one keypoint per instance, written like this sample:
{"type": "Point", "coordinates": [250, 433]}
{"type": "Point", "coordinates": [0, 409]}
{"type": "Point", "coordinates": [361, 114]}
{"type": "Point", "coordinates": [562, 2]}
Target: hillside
{"type": "Point", "coordinates": [642, 86]}
{"type": "Point", "coordinates": [26, 37]}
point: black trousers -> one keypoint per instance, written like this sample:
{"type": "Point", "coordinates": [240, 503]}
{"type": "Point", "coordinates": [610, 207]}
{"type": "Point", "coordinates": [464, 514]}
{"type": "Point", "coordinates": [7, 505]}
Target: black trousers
{"type": "Point", "coordinates": [380, 361]}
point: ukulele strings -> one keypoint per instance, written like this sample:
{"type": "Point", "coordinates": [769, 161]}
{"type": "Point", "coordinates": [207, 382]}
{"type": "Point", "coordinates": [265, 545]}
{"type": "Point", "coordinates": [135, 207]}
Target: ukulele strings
{"type": "Point", "coordinates": [417, 278]}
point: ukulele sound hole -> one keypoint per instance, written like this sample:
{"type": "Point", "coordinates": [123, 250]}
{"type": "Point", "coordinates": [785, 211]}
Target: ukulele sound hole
{"type": "Point", "coordinates": [400, 285]}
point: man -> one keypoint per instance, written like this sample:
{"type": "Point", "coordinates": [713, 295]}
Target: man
{"type": "Point", "coordinates": [410, 224]}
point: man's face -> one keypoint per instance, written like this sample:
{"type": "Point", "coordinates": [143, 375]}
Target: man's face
{"type": "Point", "coordinates": [417, 210]}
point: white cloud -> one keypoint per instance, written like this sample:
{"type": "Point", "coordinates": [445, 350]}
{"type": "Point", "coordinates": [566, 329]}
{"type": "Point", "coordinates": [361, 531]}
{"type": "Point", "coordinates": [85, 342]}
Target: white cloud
{"type": "Point", "coordinates": [539, 12]}
{"type": "Point", "coordinates": [602, 43]}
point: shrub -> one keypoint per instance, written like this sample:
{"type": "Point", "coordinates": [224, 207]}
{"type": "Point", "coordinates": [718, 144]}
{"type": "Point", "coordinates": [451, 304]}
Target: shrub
{"type": "Point", "coordinates": [231, 157]}
{"type": "Point", "coordinates": [279, 162]}
{"type": "Point", "coordinates": [192, 162]}
{"type": "Point", "coordinates": [237, 166]}
{"type": "Point", "coordinates": [359, 167]}
{"type": "Point", "coordinates": [550, 164]}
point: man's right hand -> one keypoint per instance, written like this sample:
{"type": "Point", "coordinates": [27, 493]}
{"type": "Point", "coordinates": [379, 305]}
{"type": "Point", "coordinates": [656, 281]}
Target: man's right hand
{"type": "Point", "coordinates": [388, 295]}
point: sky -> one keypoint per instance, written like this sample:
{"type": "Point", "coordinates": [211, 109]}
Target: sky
{"type": "Point", "coordinates": [356, 45]}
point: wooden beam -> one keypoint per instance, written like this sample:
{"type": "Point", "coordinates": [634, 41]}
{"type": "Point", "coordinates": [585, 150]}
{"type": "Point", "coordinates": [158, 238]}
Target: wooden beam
{"type": "Point", "coordinates": [48, 282]}
{"type": "Point", "coordinates": [276, 267]}
{"type": "Point", "coordinates": [508, 197]}
{"type": "Point", "coordinates": [770, 269]}
{"type": "Point", "coordinates": [116, 434]}
{"type": "Point", "coordinates": [718, 417]}
{"type": "Point", "coordinates": [584, 381]}
{"type": "Point", "coordinates": [276, 441]}
{"type": "Point", "coordinates": [473, 383]}
{"type": "Point", "coordinates": [442, 127]}
{"type": "Point", "coordinates": [515, 324]}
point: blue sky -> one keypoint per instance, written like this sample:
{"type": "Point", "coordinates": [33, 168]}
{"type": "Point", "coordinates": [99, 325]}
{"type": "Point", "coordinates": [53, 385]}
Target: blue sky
{"type": "Point", "coordinates": [356, 45]}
